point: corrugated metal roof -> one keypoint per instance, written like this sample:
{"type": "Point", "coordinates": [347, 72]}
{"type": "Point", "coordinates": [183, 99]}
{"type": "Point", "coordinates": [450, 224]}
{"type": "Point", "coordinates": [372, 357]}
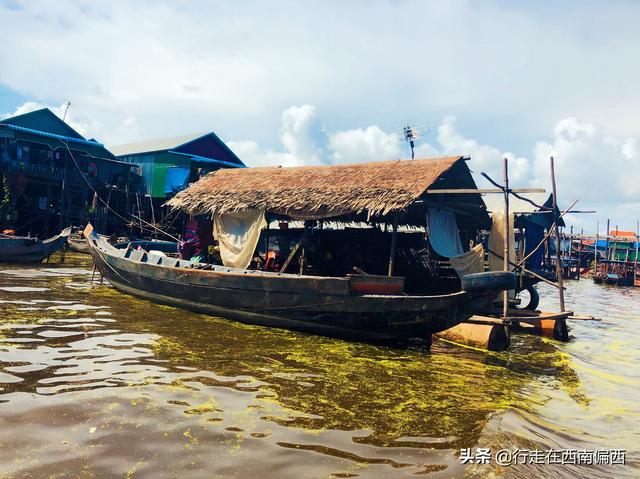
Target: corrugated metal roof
{"type": "Point", "coordinates": [495, 202]}
{"type": "Point", "coordinates": [159, 144]}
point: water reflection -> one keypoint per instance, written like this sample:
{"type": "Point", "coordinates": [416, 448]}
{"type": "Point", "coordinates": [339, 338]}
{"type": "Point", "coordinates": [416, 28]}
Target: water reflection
{"type": "Point", "coordinates": [99, 383]}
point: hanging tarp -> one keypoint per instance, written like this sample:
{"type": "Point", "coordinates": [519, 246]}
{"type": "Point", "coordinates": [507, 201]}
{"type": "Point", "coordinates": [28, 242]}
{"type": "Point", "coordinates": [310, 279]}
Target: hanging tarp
{"type": "Point", "coordinates": [470, 262]}
{"type": "Point", "coordinates": [533, 234]}
{"type": "Point", "coordinates": [238, 235]}
{"type": "Point", "coordinates": [444, 235]}
{"type": "Point", "coordinates": [177, 179]}
{"type": "Point", "coordinates": [496, 241]}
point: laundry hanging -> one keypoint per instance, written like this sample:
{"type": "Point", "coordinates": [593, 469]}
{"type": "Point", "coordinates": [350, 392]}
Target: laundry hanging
{"type": "Point", "coordinates": [238, 235]}
{"type": "Point", "coordinates": [470, 262]}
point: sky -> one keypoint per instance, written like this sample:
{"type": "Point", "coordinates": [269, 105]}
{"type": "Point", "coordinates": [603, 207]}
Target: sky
{"type": "Point", "coordinates": [301, 82]}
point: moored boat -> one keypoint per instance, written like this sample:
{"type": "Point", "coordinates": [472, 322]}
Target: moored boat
{"type": "Point", "coordinates": [391, 297]}
{"type": "Point", "coordinates": [21, 249]}
{"type": "Point", "coordinates": [78, 244]}
{"type": "Point", "coordinates": [332, 306]}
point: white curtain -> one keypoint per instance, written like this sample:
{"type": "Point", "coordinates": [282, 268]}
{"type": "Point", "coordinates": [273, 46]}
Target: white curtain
{"type": "Point", "coordinates": [470, 262]}
{"type": "Point", "coordinates": [238, 236]}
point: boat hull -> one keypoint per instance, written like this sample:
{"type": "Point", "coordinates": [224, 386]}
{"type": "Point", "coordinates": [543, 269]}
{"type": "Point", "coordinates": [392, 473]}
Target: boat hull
{"type": "Point", "coordinates": [318, 305]}
{"type": "Point", "coordinates": [31, 250]}
{"type": "Point", "coordinates": [79, 245]}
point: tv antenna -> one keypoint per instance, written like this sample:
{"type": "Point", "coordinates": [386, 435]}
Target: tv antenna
{"type": "Point", "coordinates": [64, 116]}
{"type": "Point", "coordinates": [410, 132]}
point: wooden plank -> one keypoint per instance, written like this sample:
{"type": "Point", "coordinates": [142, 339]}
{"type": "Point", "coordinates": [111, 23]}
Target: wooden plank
{"type": "Point", "coordinates": [484, 190]}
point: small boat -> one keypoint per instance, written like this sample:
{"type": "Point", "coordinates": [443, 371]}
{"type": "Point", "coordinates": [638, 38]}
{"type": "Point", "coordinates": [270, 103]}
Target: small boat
{"type": "Point", "coordinates": [615, 273]}
{"type": "Point", "coordinates": [21, 249]}
{"type": "Point", "coordinates": [357, 307]}
{"type": "Point", "coordinates": [78, 244]}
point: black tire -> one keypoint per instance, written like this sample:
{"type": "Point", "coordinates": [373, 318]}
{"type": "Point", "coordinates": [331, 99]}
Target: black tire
{"type": "Point", "coordinates": [534, 299]}
{"type": "Point", "coordinates": [491, 280]}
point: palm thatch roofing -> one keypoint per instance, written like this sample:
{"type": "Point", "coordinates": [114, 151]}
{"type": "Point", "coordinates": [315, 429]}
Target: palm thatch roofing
{"type": "Point", "coordinates": [308, 192]}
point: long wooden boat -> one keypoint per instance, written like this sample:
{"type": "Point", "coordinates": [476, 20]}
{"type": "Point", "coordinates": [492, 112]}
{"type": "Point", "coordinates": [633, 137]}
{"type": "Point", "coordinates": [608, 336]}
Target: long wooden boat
{"type": "Point", "coordinates": [20, 249]}
{"type": "Point", "coordinates": [359, 307]}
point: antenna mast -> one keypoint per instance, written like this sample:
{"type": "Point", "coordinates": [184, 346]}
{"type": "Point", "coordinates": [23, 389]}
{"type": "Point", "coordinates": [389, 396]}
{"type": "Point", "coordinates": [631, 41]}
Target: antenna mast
{"type": "Point", "coordinates": [410, 132]}
{"type": "Point", "coordinates": [409, 136]}
{"type": "Point", "coordinates": [66, 110]}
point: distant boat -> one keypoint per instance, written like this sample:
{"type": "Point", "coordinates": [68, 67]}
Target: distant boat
{"type": "Point", "coordinates": [78, 244]}
{"type": "Point", "coordinates": [21, 249]}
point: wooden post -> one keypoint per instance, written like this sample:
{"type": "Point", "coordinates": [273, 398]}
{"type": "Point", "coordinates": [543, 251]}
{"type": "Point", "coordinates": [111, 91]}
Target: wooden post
{"type": "Point", "coordinates": [595, 249]}
{"type": "Point", "coordinates": [555, 214]}
{"type": "Point", "coordinates": [266, 239]}
{"type": "Point", "coordinates": [606, 246]}
{"type": "Point", "coordinates": [505, 177]}
{"type": "Point", "coordinates": [570, 249]}
{"type": "Point", "coordinates": [394, 241]}
{"type": "Point", "coordinates": [635, 262]}
{"type": "Point", "coordinates": [580, 253]}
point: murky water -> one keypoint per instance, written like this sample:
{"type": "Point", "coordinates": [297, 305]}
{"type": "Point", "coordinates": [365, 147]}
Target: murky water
{"type": "Point", "coordinates": [94, 383]}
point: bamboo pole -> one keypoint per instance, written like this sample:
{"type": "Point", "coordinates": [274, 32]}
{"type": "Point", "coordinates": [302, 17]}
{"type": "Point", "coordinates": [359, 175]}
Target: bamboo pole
{"type": "Point", "coordinates": [570, 249]}
{"type": "Point", "coordinates": [555, 212]}
{"type": "Point", "coordinates": [606, 246]}
{"type": "Point", "coordinates": [635, 263]}
{"type": "Point", "coordinates": [394, 241]}
{"type": "Point", "coordinates": [505, 294]}
{"type": "Point", "coordinates": [267, 239]}
{"type": "Point", "coordinates": [595, 249]}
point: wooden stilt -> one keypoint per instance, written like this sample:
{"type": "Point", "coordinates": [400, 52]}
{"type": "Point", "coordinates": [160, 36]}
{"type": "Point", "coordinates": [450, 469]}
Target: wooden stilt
{"type": "Point", "coordinates": [555, 212]}
{"type": "Point", "coordinates": [505, 177]}
{"type": "Point", "coordinates": [635, 260]}
{"type": "Point", "coordinates": [394, 241]}
{"type": "Point", "coordinates": [595, 249]}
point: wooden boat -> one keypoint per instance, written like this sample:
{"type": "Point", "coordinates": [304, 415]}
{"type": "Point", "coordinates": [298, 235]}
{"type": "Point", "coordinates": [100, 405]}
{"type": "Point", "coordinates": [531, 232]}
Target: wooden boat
{"type": "Point", "coordinates": [359, 307]}
{"type": "Point", "coordinates": [79, 245]}
{"type": "Point", "coordinates": [615, 273]}
{"type": "Point", "coordinates": [20, 249]}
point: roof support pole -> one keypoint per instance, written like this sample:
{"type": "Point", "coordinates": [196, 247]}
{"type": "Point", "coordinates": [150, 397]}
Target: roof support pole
{"type": "Point", "coordinates": [394, 242]}
{"type": "Point", "coordinates": [595, 249]}
{"type": "Point", "coordinates": [505, 177]}
{"type": "Point", "coordinates": [555, 212]}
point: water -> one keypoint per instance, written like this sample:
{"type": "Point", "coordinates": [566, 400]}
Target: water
{"type": "Point", "coordinates": [94, 383]}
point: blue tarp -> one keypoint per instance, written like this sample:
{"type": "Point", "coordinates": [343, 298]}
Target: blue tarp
{"type": "Point", "coordinates": [621, 243]}
{"type": "Point", "coordinates": [177, 179]}
{"type": "Point", "coordinates": [533, 234]}
{"type": "Point", "coordinates": [443, 233]}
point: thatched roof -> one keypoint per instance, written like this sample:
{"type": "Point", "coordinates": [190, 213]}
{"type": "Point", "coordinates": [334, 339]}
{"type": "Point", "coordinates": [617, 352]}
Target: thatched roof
{"type": "Point", "coordinates": [315, 191]}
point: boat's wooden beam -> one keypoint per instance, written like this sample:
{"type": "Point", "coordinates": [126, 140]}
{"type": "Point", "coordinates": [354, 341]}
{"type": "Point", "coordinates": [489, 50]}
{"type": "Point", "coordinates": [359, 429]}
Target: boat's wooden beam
{"type": "Point", "coordinates": [482, 191]}
{"type": "Point", "coordinates": [446, 207]}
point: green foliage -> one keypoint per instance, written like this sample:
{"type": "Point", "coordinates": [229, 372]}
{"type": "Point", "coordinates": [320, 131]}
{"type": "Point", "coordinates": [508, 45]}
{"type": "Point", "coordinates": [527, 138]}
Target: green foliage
{"type": "Point", "coordinates": [5, 199]}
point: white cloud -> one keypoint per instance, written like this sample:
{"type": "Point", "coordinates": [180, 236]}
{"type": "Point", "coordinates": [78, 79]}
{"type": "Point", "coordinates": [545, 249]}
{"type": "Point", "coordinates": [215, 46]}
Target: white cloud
{"type": "Point", "coordinates": [302, 136]}
{"type": "Point", "coordinates": [82, 123]}
{"type": "Point", "coordinates": [486, 158]}
{"type": "Point", "coordinates": [599, 169]}
{"type": "Point", "coordinates": [178, 68]}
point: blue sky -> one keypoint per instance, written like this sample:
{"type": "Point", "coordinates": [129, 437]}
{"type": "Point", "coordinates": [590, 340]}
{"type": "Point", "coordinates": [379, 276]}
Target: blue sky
{"type": "Point", "coordinates": [324, 82]}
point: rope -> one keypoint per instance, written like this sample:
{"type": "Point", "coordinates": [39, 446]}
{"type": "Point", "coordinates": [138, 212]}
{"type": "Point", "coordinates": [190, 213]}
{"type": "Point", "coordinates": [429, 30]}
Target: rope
{"type": "Point", "coordinates": [106, 204]}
